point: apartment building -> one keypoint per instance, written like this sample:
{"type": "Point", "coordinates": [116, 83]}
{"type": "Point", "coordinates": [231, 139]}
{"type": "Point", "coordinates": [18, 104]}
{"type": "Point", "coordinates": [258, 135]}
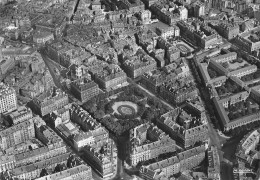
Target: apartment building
{"type": "Point", "coordinates": [186, 129]}
{"type": "Point", "coordinates": [81, 172]}
{"type": "Point", "coordinates": [17, 134]}
{"type": "Point", "coordinates": [48, 102]}
{"type": "Point", "coordinates": [166, 168]}
{"type": "Point", "coordinates": [147, 142]}
{"type": "Point", "coordinates": [8, 101]}
{"type": "Point", "coordinates": [84, 89]}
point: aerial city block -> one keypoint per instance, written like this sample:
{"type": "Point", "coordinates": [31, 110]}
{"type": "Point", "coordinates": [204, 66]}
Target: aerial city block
{"type": "Point", "coordinates": [129, 89]}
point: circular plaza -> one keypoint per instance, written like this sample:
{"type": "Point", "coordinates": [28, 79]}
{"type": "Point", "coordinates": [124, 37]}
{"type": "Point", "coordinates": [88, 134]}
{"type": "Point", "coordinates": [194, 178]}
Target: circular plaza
{"type": "Point", "coordinates": [125, 108]}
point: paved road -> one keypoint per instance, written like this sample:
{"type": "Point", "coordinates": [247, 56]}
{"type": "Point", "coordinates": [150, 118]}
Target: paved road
{"type": "Point", "coordinates": [151, 94]}
{"type": "Point", "coordinates": [50, 66]}
{"type": "Point", "coordinates": [57, 79]}
{"type": "Point", "coordinates": [229, 150]}
{"type": "Point", "coordinates": [120, 174]}
{"type": "Point", "coordinates": [229, 146]}
{"type": "Point", "coordinates": [215, 138]}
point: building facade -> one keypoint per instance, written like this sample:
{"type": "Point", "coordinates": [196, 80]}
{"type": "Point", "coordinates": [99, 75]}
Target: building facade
{"type": "Point", "coordinates": [81, 172]}
{"type": "Point", "coordinates": [228, 30]}
{"type": "Point", "coordinates": [20, 115]}
{"type": "Point", "coordinates": [214, 163]}
{"type": "Point", "coordinates": [110, 78]}
{"type": "Point", "coordinates": [84, 89]}
{"type": "Point", "coordinates": [178, 124]}
{"type": "Point", "coordinates": [8, 100]}
{"type": "Point", "coordinates": [137, 66]}
{"type": "Point", "coordinates": [46, 104]}
{"type": "Point", "coordinates": [166, 168]}
{"type": "Point", "coordinates": [17, 134]}
{"type": "Point", "coordinates": [139, 151]}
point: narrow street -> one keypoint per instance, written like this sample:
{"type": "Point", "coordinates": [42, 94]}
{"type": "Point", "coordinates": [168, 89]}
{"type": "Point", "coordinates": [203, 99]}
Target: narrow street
{"type": "Point", "coordinates": [57, 79]}
{"type": "Point", "coordinates": [51, 69]}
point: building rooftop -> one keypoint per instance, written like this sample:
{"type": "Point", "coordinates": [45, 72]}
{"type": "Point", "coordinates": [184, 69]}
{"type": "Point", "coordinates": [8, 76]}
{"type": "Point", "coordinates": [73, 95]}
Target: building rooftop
{"type": "Point", "coordinates": [51, 21]}
{"type": "Point", "coordinates": [32, 153]}
{"type": "Point", "coordinates": [251, 139]}
{"type": "Point", "coordinates": [147, 136]}
{"type": "Point", "coordinates": [110, 72]}
{"type": "Point", "coordinates": [155, 168]}
{"type": "Point", "coordinates": [213, 159]}
{"type": "Point", "coordinates": [164, 163]}
{"type": "Point", "coordinates": [228, 26]}
{"type": "Point", "coordinates": [21, 111]}
{"type": "Point", "coordinates": [40, 165]}
{"type": "Point", "coordinates": [84, 84]}
{"type": "Point", "coordinates": [68, 172]}
{"type": "Point", "coordinates": [50, 135]}
{"type": "Point", "coordinates": [183, 123]}
{"type": "Point", "coordinates": [16, 127]}
{"type": "Point", "coordinates": [191, 152]}
{"type": "Point", "coordinates": [140, 60]}
{"type": "Point", "coordinates": [5, 90]}
{"type": "Point", "coordinates": [47, 98]}
{"type": "Point", "coordinates": [42, 34]}
{"type": "Point", "coordinates": [224, 56]}
{"type": "Point", "coordinates": [155, 76]}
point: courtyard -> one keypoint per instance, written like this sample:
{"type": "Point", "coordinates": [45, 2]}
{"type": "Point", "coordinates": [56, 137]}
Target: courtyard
{"type": "Point", "coordinates": [236, 64]}
{"type": "Point", "coordinates": [242, 108]}
{"type": "Point", "coordinates": [184, 47]}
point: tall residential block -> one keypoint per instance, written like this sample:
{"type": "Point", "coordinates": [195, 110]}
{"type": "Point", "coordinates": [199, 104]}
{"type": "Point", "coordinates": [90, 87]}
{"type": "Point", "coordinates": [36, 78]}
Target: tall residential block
{"type": "Point", "coordinates": [8, 101]}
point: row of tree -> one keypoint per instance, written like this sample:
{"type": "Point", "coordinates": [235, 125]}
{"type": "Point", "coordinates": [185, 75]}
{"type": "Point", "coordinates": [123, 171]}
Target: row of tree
{"type": "Point", "coordinates": [229, 87]}
{"type": "Point", "coordinates": [118, 127]}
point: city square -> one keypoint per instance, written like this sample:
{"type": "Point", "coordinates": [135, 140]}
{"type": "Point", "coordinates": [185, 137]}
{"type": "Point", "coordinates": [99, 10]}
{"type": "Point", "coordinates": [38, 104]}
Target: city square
{"type": "Point", "coordinates": [130, 89]}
